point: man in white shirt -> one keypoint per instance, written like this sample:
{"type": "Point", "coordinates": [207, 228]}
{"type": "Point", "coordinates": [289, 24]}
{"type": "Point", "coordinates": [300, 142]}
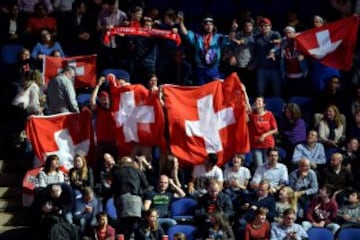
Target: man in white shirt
{"type": "Point", "coordinates": [273, 171]}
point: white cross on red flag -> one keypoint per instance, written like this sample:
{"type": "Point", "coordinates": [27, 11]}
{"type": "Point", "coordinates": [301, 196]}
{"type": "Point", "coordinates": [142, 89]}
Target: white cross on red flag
{"type": "Point", "coordinates": [138, 115]}
{"type": "Point", "coordinates": [85, 69]}
{"type": "Point", "coordinates": [332, 44]}
{"type": "Point", "coordinates": [207, 119]}
{"type": "Point", "coordinates": [65, 135]}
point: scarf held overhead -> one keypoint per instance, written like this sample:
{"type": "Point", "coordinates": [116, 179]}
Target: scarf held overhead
{"type": "Point", "coordinates": [144, 32]}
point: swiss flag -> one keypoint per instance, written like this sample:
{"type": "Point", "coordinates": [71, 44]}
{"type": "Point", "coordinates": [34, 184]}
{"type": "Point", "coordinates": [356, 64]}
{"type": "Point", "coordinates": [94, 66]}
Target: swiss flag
{"type": "Point", "coordinates": [332, 44]}
{"type": "Point", "coordinates": [207, 119]}
{"type": "Point", "coordinates": [65, 134]}
{"type": "Point", "coordinates": [85, 69]}
{"type": "Point", "coordinates": [138, 115]}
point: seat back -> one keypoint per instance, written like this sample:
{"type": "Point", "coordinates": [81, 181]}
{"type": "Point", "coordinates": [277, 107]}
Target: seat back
{"type": "Point", "coordinates": [306, 106]}
{"type": "Point", "coordinates": [189, 230]}
{"type": "Point", "coordinates": [183, 208]}
{"type": "Point", "coordinates": [110, 208]}
{"type": "Point", "coordinates": [316, 233]}
{"type": "Point", "coordinates": [10, 53]}
{"type": "Point", "coordinates": [349, 234]}
{"type": "Point", "coordinates": [275, 105]}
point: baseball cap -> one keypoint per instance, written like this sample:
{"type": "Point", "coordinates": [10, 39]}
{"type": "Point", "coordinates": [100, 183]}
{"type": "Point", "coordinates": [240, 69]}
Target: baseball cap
{"type": "Point", "coordinates": [266, 21]}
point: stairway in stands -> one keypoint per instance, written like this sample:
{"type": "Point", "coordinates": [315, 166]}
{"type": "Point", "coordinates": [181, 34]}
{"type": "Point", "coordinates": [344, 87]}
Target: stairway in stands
{"type": "Point", "coordinates": [14, 218]}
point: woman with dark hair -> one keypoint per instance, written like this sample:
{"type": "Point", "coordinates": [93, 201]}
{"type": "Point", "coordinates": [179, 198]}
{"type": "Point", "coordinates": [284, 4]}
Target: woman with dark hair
{"type": "Point", "coordinates": [81, 175]}
{"type": "Point", "coordinates": [50, 174]}
{"type": "Point", "coordinates": [46, 46]}
{"type": "Point", "coordinates": [220, 227]}
{"type": "Point", "coordinates": [262, 128]}
{"type": "Point", "coordinates": [292, 128]}
{"type": "Point", "coordinates": [150, 229]}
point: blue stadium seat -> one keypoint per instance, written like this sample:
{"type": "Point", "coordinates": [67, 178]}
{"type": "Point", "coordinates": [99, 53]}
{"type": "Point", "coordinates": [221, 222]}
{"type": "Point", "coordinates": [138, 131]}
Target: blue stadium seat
{"type": "Point", "coordinates": [110, 209]}
{"type": "Point", "coordinates": [183, 209]}
{"type": "Point", "coordinates": [349, 233]}
{"type": "Point", "coordinates": [10, 53]}
{"type": "Point", "coordinates": [275, 105]}
{"type": "Point", "coordinates": [189, 230]}
{"type": "Point", "coordinates": [316, 233]}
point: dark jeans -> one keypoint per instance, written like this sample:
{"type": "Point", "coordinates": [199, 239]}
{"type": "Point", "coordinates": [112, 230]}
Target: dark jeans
{"type": "Point", "coordinates": [269, 77]}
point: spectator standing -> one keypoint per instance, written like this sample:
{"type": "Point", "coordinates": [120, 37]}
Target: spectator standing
{"type": "Point", "coordinates": [61, 96]}
{"type": "Point", "coordinates": [262, 128]}
{"type": "Point", "coordinates": [267, 61]}
{"type": "Point", "coordinates": [207, 46]}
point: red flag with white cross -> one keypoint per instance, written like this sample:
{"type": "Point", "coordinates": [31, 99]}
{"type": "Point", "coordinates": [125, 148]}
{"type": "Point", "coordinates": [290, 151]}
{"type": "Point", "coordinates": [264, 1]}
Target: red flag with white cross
{"type": "Point", "coordinates": [332, 44]}
{"type": "Point", "coordinates": [65, 135]}
{"type": "Point", "coordinates": [85, 69]}
{"type": "Point", "coordinates": [138, 116]}
{"type": "Point", "coordinates": [207, 119]}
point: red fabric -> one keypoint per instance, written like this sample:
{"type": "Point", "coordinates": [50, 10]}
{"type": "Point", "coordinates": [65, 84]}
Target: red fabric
{"type": "Point", "coordinates": [147, 133]}
{"type": "Point", "coordinates": [85, 69]}
{"type": "Point", "coordinates": [344, 30]}
{"type": "Point", "coordinates": [261, 233]}
{"type": "Point", "coordinates": [105, 125]}
{"type": "Point", "coordinates": [258, 125]}
{"type": "Point", "coordinates": [182, 105]}
{"type": "Point", "coordinates": [144, 32]}
{"type": "Point", "coordinates": [28, 183]}
{"type": "Point", "coordinates": [35, 24]}
{"type": "Point", "coordinates": [41, 132]}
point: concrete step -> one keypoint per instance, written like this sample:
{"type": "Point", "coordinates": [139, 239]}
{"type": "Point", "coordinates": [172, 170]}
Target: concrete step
{"type": "Point", "coordinates": [15, 232]}
{"type": "Point", "coordinates": [11, 180]}
{"type": "Point", "coordinates": [10, 192]}
{"type": "Point", "coordinates": [22, 218]}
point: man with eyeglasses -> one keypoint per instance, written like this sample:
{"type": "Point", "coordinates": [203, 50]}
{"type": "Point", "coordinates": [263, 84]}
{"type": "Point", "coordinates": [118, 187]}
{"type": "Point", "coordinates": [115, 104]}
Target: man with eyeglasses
{"type": "Point", "coordinates": [61, 96]}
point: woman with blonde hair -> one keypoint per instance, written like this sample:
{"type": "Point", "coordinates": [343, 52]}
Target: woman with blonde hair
{"type": "Point", "coordinates": [287, 199]}
{"type": "Point", "coordinates": [81, 175]}
{"type": "Point", "coordinates": [331, 127]}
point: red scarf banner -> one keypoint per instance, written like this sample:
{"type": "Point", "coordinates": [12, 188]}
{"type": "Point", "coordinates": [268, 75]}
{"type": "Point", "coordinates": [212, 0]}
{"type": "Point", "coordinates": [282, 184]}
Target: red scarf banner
{"type": "Point", "coordinates": [143, 32]}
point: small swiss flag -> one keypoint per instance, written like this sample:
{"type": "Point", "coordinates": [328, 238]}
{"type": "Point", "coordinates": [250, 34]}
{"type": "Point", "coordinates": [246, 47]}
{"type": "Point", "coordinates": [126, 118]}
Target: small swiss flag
{"type": "Point", "coordinates": [85, 69]}
{"type": "Point", "coordinates": [332, 44]}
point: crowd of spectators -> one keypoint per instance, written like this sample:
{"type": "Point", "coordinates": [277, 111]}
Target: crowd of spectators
{"type": "Point", "coordinates": [298, 174]}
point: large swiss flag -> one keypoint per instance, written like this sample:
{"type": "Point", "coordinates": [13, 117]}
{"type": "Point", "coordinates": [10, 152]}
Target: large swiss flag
{"type": "Point", "coordinates": [65, 134]}
{"type": "Point", "coordinates": [207, 119]}
{"type": "Point", "coordinates": [138, 116]}
{"type": "Point", "coordinates": [332, 44]}
{"type": "Point", "coordinates": [85, 69]}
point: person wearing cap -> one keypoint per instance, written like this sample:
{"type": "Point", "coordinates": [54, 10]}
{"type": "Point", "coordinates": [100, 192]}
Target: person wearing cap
{"type": "Point", "coordinates": [207, 46]}
{"type": "Point", "coordinates": [294, 67]}
{"type": "Point", "coordinates": [267, 61]}
{"type": "Point", "coordinates": [104, 121]}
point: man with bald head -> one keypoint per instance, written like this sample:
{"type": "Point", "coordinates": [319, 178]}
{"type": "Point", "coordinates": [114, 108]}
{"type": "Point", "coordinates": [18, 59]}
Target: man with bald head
{"type": "Point", "coordinates": [304, 182]}
{"type": "Point", "coordinates": [336, 174]}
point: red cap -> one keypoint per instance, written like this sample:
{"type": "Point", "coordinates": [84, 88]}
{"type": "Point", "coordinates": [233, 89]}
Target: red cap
{"type": "Point", "coordinates": [266, 21]}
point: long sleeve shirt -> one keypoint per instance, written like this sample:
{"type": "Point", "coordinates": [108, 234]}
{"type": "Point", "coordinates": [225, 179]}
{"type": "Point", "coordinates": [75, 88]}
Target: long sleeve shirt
{"type": "Point", "coordinates": [308, 184]}
{"type": "Point", "coordinates": [320, 211]}
{"type": "Point", "coordinates": [280, 231]}
{"type": "Point", "coordinates": [315, 154]}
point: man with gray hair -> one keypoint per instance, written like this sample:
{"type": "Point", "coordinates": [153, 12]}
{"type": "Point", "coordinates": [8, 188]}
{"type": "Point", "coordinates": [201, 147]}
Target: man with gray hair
{"type": "Point", "coordinates": [61, 96]}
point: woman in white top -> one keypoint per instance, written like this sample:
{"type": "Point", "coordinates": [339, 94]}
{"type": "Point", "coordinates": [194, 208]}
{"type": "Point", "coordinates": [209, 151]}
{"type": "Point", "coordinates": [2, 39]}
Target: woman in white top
{"type": "Point", "coordinates": [50, 173]}
{"type": "Point", "coordinates": [331, 128]}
